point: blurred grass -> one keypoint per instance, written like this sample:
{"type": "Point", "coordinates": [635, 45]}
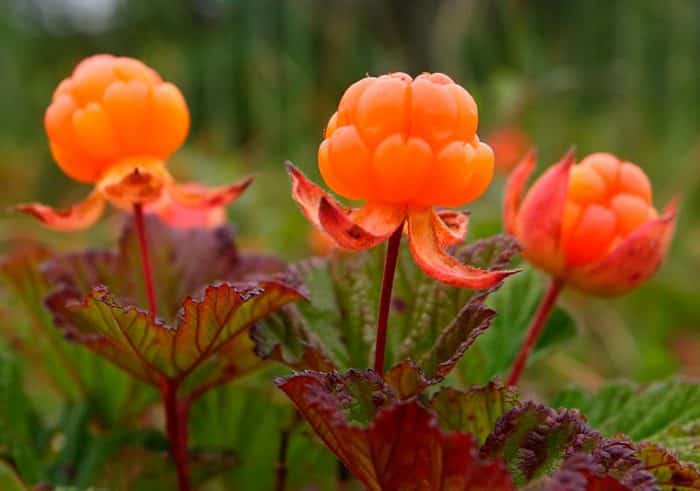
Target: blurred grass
{"type": "Point", "coordinates": [262, 77]}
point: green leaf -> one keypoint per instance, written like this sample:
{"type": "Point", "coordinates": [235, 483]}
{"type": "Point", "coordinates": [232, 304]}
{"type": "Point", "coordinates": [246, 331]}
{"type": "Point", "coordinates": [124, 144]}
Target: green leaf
{"type": "Point", "coordinates": [534, 440]}
{"type": "Point", "coordinates": [153, 351]}
{"type": "Point", "coordinates": [474, 411]}
{"type": "Point", "coordinates": [249, 418]}
{"type": "Point", "coordinates": [17, 427]}
{"type": "Point", "coordinates": [515, 304]}
{"type": "Point", "coordinates": [439, 322]}
{"type": "Point", "coordinates": [431, 324]}
{"type": "Point", "coordinates": [666, 413]}
{"type": "Point", "coordinates": [283, 337]}
{"type": "Point", "coordinates": [71, 371]}
{"type": "Point", "coordinates": [9, 481]}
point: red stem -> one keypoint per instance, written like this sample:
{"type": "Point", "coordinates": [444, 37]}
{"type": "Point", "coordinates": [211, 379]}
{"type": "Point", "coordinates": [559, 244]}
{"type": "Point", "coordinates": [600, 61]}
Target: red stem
{"type": "Point", "coordinates": [543, 311]}
{"type": "Point", "coordinates": [176, 414]}
{"type": "Point", "coordinates": [281, 469]}
{"type": "Point", "coordinates": [145, 258]}
{"type": "Point", "coordinates": [392, 255]}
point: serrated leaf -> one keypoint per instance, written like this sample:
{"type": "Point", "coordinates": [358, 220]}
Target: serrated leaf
{"type": "Point", "coordinates": [670, 473]}
{"type": "Point", "coordinates": [666, 412]}
{"type": "Point", "coordinates": [431, 324]}
{"type": "Point", "coordinates": [474, 411]}
{"type": "Point", "coordinates": [440, 322]}
{"type": "Point", "coordinates": [451, 344]}
{"type": "Point", "coordinates": [283, 337]}
{"type": "Point", "coordinates": [184, 262]}
{"type": "Point", "coordinates": [154, 351]}
{"type": "Point", "coordinates": [534, 440]}
{"type": "Point", "coordinates": [400, 446]}
{"type": "Point", "coordinates": [612, 466]}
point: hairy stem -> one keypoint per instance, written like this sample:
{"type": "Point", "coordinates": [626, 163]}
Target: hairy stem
{"type": "Point", "coordinates": [176, 414]}
{"type": "Point", "coordinates": [535, 329]}
{"type": "Point", "coordinates": [392, 255]}
{"type": "Point", "coordinates": [145, 258]}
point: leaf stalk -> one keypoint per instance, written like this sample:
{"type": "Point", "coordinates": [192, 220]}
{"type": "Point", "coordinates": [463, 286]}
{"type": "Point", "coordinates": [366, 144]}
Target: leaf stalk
{"type": "Point", "coordinates": [176, 417]}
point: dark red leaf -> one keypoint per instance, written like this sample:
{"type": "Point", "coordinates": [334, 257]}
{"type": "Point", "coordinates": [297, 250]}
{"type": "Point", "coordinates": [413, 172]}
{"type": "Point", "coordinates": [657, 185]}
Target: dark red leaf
{"type": "Point", "coordinates": [398, 444]}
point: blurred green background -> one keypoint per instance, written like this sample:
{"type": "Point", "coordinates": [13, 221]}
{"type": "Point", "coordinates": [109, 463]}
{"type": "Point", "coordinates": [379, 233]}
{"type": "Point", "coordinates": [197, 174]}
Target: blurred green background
{"type": "Point", "coordinates": [262, 77]}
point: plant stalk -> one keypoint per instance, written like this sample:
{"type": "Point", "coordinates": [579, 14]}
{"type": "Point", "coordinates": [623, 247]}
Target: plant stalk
{"type": "Point", "coordinates": [176, 414]}
{"type": "Point", "coordinates": [145, 258]}
{"type": "Point", "coordinates": [390, 260]}
{"type": "Point", "coordinates": [535, 329]}
{"type": "Point", "coordinates": [282, 469]}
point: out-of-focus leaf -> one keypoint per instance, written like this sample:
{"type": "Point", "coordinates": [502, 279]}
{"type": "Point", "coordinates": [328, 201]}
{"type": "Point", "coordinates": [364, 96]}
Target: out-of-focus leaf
{"type": "Point", "coordinates": [75, 373]}
{"type": "Point", "coordinates": [474, 411]}
{"type": "Point", "coordinates": [284, 338]}
{"type": "Point", "coordinates": [684, 439]}
{"type": "Point", "coordinates": [184, 262]}
{"type": "Point", "coordinates": [392, 445]}
{"type": "Point", "coordinates": [139, 469]}
{"type": "Point", "coordinates": [9, 481]}
{"type": "Point", "coordinates": [153, 351]}
{"type": "Point", "coordinates": [250, 418]}
{"type": "Point", "coordinates": [534, 440]}
{"type": "Point", "coordinates": [670, 473]}
{"type": "Point", "coordinates": [37, 339]}
{"type": "Point", "coordinates": [515, 304]}
{"type": "Point", "coordinates": [666, 412]}
{"type": "Point", "coordinates": [612, 466]}
{"type": "Point", "coordinates": [16, 426]}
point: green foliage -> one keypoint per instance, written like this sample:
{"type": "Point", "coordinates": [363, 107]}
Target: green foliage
{"type": "Point", "coordinates": [261, 79]}
{"type": "Point", "coordinates": [72, 372]}
{"type": "Point", "coordinates": [431, 324]}
{"type": "Point", "coordinates": [249, 420]}
{"type": "Point", "coordinates": [475, 411]}
{"type": "Point", "coordinates": [515, 304]}
{"type": "Point", "coordinates": [666, 413]}
{"type": "Point", "coordinates": [534, 440]}
{"type": "Point", "coordinates": [9, 481]}
{"type": "Point", "coordinates": [18, 422]}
